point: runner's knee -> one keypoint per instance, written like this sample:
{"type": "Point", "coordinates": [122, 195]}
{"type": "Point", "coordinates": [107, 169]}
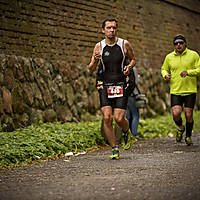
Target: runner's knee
{"type": "Point", "coordinates": [119, 119]}
{"type": "Point", "coordinates": [107, 119]}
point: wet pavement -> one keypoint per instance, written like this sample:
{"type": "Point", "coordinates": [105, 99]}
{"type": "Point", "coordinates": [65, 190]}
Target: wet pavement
{"type": "Point", "coordinates": [153, 169]}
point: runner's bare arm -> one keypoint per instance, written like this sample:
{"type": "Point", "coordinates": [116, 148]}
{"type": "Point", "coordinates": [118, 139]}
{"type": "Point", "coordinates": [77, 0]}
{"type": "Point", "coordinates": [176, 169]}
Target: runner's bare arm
{"type": "Point", "coordinates": [95, 58]}
{"type": "Point", "coordinates": [128, 50]}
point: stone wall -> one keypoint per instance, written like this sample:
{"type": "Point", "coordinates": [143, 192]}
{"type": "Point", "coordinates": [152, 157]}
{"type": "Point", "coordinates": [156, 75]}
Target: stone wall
{"type": "Point", "coordinates": [32, 89]}
{"type": "Point", "coordinates": [45, 48]}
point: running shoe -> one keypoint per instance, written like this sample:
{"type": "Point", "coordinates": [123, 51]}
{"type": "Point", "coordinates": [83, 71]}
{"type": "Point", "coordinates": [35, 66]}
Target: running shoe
{"type": "Point", "coordinates": [188, 141]}
{"type": "Point", "coordinates": [179, 134]}
{"type": "Point", "coordinates": [125, 140]}
{"type": "Point", "coordinates": [115, 153]}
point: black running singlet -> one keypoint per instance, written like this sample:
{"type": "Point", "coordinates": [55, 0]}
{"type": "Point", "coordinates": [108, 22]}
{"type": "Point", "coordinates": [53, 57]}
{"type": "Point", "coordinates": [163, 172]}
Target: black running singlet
{"type": "Point", "coordinates": [112, 62]}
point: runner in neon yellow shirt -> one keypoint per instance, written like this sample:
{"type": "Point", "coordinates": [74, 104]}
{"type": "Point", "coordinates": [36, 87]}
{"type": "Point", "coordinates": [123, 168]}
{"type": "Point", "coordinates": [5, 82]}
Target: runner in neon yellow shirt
{"type": "Point", "coordinates": [181, 67]}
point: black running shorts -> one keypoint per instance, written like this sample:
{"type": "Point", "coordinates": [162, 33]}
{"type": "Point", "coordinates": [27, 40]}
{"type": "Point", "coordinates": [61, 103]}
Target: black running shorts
{"type": "Point", "coordinates": [187, 100]}
{"type": "Point", "coordinates": [117, 102]}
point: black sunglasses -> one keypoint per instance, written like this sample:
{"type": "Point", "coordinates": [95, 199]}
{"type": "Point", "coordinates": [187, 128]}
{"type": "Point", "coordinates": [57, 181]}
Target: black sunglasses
{"type": "Point", "coordinates": [175, 43]}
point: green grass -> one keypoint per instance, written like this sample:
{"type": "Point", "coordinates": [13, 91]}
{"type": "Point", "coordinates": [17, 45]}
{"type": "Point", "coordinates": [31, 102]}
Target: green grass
{"type": "Point", "coordinates": [43, 141]}
{"type": "Point", "coordinates": [163, 126]}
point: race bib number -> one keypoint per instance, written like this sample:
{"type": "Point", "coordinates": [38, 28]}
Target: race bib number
{"type": "Point", "coordinates": [115, 91]}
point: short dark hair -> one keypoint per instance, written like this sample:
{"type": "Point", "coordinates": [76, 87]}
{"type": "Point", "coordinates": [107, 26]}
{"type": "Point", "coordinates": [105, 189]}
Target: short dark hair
{"type": "Point", "coordinates": [108, 20]}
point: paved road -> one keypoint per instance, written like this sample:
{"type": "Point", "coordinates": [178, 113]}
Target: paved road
{"type": "Point", "coordinates": [155, 169]}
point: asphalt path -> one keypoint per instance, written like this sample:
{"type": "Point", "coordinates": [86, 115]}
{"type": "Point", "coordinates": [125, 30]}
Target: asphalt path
{"type": "Point", "coordinates": [153, 169]}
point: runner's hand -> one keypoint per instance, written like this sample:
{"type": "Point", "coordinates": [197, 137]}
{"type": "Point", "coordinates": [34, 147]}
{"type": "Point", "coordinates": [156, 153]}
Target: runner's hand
{"type": "Point", "coordinates": [184, 74]}
{"type": "Point", "coordinates": [126, 70]}
{"type": "Point", "coordinates": [168, 77]}
{"type": "Point", "coordinates": [97, 55]}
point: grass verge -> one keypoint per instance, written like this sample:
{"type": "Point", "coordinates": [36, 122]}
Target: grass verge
{"type": "Point", "coordinates": [43, 141]}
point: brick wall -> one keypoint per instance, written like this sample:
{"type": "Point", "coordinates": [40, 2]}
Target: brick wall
{"type": "Point", "coordinates": [68, 29]}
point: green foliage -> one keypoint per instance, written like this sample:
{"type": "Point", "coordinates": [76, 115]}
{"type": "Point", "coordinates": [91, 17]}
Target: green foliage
{"type": "Point", "coordinates": [47, 140]}
{"type": "Point", "coordinates": [50, 140]}
{"type": "Point", "coordinates": [163, 126]}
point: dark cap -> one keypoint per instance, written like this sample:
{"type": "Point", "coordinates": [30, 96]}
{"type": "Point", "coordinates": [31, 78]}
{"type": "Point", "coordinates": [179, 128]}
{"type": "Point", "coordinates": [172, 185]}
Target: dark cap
{"type": "Point", "coordinates": [179, 38]}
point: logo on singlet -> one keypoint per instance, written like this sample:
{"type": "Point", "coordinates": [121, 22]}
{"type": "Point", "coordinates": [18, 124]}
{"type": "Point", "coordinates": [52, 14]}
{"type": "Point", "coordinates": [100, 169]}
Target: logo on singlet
{"type": "Point", "coordinates": [107, 53]}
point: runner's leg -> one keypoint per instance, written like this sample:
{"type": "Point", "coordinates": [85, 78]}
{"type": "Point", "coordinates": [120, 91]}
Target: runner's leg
{"type": "Point", "coordinates": [176, 113]}
{"type": "Point", "coordinates": [108, 125]}
{"type": "Point", "coordinates": [120, 118]}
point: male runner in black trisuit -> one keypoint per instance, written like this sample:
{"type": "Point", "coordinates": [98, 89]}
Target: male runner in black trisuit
{"type": "Point", "coordinates": [109, 55]}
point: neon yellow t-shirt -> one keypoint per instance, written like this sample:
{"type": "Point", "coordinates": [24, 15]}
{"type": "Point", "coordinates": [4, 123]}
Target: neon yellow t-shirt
{"type": "Point", "coordinates": [174, 64]}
